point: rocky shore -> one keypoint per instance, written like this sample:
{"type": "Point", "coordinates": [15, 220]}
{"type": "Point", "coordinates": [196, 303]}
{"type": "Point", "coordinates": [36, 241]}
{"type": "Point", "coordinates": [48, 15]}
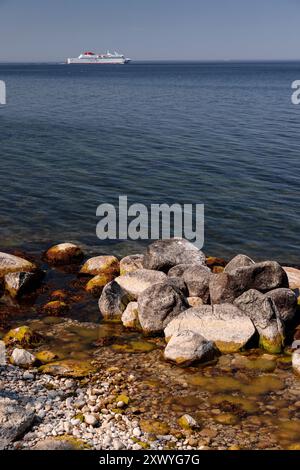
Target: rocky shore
{"type": "Point", "coordinates": [176, 350]}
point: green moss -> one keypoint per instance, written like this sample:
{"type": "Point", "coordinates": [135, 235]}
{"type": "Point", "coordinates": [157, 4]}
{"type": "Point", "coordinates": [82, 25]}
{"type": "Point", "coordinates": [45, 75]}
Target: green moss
{"type": "Point", "coordinates": [273, 346]}
{"type": "Point", "coordinates": [23, 336]}
{"type": "Point", "coordinates": [144, 445]}
{"type": "Point", "coordinates": [124, 398]}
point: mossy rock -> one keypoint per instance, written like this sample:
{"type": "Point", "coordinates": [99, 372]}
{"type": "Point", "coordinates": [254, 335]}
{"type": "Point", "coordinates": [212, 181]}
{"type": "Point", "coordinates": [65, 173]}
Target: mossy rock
{"type": "Point", "coordinates": [46, 356]}
{"type": "Point", "coordinates": [135, 346]}
{"type": "Point", "coordinates": [271, 345]}
{"type": "Point", "coordinates": [64, 442]}
{"type": "Point", "coordinates": [226, 419]}
{"type": "Point", "coordinates": [96, 284]}
{"type": "Point", "coordinates": [55, 307]}
{"type": "Point", "coordinates": [68, 368]}
{"type": "Point", "coordinates": [185, 423]}
{"type": "Point", "coordinates": [144, 445]}
{"type": "Point", "coordinates": [152, 426]}
{"type": "Point", "coordinates": [23, 336]}
{"type": "Point", "coordinates": [124, 398]}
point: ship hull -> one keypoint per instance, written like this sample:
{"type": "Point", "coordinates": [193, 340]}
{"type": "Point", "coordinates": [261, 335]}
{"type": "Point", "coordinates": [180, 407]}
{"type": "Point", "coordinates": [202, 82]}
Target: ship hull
{"type": "Point", "coordinates": [100, 61]}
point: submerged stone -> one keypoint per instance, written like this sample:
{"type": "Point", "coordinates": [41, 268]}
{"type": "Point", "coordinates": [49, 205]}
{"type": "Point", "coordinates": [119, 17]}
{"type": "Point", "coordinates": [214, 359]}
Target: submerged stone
{"type": "Point", "coordinates": [101, 265]}
{"type": "Point", "coordinates": [64, 253]}
{"type": "Point", "coordinates": [187, 347]}
{"type": "Point", "coordinates": [95, 285]}
{"type": "Point", "coordinates": [152, 426]}
{"type": "Point", "coordinates": [68, 368]}
{"type": "Point", "coordinates": [23, 336]}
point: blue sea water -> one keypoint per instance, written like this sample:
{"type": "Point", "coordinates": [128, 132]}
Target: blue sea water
{"type": "Point", "coordinates": [221, 134]}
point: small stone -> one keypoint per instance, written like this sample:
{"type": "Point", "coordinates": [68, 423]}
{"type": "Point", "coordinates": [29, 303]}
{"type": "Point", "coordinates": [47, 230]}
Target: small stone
{"type": "Point", "coordinates": [90, 419]}
{"type": "Point", "coordinates": [21, 357]}
{"type": "Point", "coordinates": [187, 422]}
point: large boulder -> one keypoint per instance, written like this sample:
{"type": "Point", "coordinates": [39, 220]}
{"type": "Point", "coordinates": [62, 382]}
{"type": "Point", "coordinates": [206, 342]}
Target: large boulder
{"type": "Point", "coordinates": [64, 253]}
{"type": "Point", "coordinates": [266, 318]}
{"type": "Point", "coordinates": [164, 254]}
{"type": "Point", "coordinates": [197, 280]}
{"type": "Point", "coordinates": [135, 282]}
{"type": "Point", "coordinates": [239, 261]}
{"type": "Point", "coordinates": [20, 283]}
{"type": "Point", "coordinates": [223, 324]}
{"type": "Point", "coordinates": [131, 263]}
{"type": "Point", "coordinates": [15, 420]}
{"type": "Point", "coordinates": [285, 301]}
{"type": "Point", "coordinates": [101, 265]}
{"type": "Point", "coordinates": [187, 347]}
{"type": "Point", "coordinates": [113, 301]}
{"type": "Point", "coordinates": [158, 305]}
{"type": "Point", "coordinates": [293, 275]}
{"type": "Point", "coordinates": [13, 264]}
{"type": "Point", "coordinates": [265, 276]}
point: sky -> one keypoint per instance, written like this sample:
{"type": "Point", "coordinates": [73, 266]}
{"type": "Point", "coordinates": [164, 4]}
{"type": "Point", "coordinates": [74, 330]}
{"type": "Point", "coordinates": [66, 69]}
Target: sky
{"type": "Point", "coordinates": [51, 30]}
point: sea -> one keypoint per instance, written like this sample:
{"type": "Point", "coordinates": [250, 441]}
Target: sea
{"type": "Point", "coordinates": [222, 134]}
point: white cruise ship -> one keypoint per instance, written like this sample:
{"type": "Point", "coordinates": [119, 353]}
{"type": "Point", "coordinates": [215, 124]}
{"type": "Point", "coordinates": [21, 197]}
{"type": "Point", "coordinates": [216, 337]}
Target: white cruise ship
{"type": "Point", "coordinates": [92, 58]}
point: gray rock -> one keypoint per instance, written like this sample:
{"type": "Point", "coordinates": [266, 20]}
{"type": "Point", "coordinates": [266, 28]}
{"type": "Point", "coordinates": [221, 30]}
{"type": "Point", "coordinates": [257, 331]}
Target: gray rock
{"type": "Point", "coordinates": [18, 284]}
{"type": "Point", "coordinates": [131, 263]}
{"type": "Point", "coordinates": [256, 306]}
{"type": "Point", "coordinates": [130, 316]}
{"type": "Point", "coordinates": [137, 281]}
{"type": "Point", "coordinates": [266, 317]}
{"type": "Point", "coordinates": [158, 305]}
{"type": "Point", "coordinates": [14, 421]}
{"type": "Point", "coordinates": [223, 324]}
{"type": "Point", "coordinates": [225, 287]}
{"type": "Point", "coordinates": [21, 357]}
{"type": "Point", "coordinates": [12, 264]}
{"type": "Point", "coordinates": [179, 284]}
{"type": "Point", "coordinates": [2, 353]}
{"type": "Point", "coordinates": [239, 261]}
{"type": "Point", "coordinates": [178, 270]}
{"type": "Point", "coordinates": [285, 301]}
{"type": "Point", "coordinates": [187, 347]}
{"type": "Point", "coordinates": [113, 301]}
{"type": "Point", "coordinates": [197, 280]}
{"type": "Point", "coordinates": [164, 254]}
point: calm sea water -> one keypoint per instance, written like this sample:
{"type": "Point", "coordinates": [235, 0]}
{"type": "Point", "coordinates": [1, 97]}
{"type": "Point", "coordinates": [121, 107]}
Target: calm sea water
{"type": "Point", "coordinates": [224, 135]}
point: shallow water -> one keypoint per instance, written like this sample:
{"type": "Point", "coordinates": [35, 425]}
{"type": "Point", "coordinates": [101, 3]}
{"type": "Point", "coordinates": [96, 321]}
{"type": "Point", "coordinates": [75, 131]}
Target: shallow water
{"type": "Point", "coordinates": [222, 134]}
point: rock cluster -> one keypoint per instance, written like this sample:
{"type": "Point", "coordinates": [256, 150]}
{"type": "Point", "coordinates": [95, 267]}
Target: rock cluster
{"type": "Point", "coordinates": [172, 289]}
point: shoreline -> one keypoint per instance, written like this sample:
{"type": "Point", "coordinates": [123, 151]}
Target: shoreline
{"type": "Point", "coordinates": [99, 384]}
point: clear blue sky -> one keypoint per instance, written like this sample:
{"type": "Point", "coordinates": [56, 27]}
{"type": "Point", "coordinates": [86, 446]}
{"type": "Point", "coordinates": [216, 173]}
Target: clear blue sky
{"type": "Point", "coordinates": [33, 30]}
